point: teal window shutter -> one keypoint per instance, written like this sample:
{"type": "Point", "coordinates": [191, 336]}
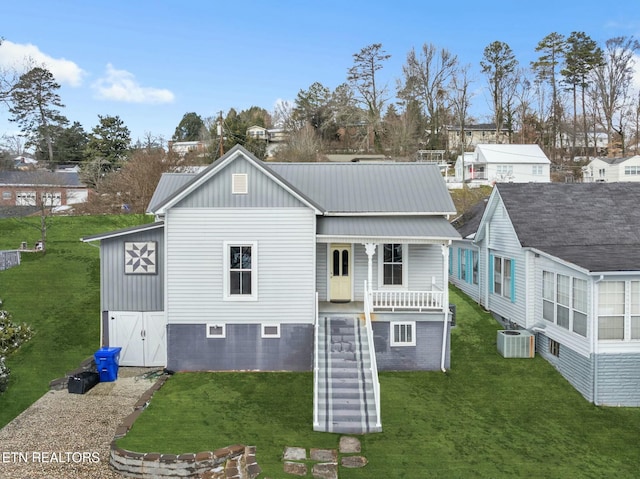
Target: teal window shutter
{"type": "Point", "coordinates": [513, 280]}
{"type": "Point", "coordinates": [459, 263]}
{"type": "Point", "coordinates": [491, 285]}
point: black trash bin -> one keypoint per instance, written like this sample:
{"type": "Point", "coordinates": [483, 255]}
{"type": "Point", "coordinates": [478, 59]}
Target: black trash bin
{"type": "Point", "coordinates": [107, 362]}
{"type": "Point", "coordinates": [452, 314]}
{"type": "Point", "coordinates": [80, 383]}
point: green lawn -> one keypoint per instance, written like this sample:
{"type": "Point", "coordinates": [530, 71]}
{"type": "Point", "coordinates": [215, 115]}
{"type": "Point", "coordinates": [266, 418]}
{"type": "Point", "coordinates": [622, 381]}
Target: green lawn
{"type": "Point", "coordinates": [58, 295]}
{"type": "Point", "coordinates": [489, 417]}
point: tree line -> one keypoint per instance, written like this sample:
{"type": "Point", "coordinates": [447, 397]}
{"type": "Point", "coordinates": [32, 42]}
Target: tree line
{"type": "Point", "coordinates": [574, 89]}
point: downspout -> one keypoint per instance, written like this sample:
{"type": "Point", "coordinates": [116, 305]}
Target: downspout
{"type": "Point", "coordinates": [445, 306]}
{"type": "Point", "coordinates": [595, 341]}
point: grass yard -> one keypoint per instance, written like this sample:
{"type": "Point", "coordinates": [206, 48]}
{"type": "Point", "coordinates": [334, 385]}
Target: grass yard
{"type": "Point", "coordinates": [58, 295]}
{"type": "Point", "coordinates": [489, 417]}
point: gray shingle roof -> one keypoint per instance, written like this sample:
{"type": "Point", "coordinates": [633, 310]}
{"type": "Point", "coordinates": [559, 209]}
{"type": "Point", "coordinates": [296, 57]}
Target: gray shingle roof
{"type": "Point", "coordinates": [593, 225]}
{"type": "Point", "coordinates": [467, 224]}
{"type": "Point", "coordinates": [40, 178]}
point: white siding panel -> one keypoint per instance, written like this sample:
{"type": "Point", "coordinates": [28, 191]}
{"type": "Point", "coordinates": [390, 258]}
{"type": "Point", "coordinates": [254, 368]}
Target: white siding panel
{"type": "Point", "coordinates": [425, 263]}
{"type": "Point", "coordinates": [285, 264]}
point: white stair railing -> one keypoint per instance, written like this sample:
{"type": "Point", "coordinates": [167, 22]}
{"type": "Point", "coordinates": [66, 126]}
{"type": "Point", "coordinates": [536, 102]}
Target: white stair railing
{"type": "Point", "coordinates": [372, 352]}
{"type": "Point", "coordinates": [414, 300]}
{"type": "Point", "coordinates": [316, 370]}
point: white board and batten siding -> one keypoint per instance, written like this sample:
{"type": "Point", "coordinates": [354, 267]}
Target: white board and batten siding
{"type": "Point", "coordinates": [503, 242]}
{"type": "Point", "coordinates": [285, 240]}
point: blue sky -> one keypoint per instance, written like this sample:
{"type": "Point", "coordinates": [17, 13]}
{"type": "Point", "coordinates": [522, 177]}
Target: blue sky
{"type": "Point", "coordinates": [150, 62]}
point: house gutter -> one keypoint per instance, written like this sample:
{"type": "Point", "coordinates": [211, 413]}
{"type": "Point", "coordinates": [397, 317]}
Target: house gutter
{"type": "Point", "coordinates": [445, 306]}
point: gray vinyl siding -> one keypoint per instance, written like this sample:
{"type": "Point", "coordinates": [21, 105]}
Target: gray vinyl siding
{"type": "Point", "coordinates": [426, 355]}
{"type": "Point", "coordinates": [424, 263]}
{"type": "Point", "coordinates": [321, 270]}
{"type": "Point", "coordinates": [503, 242]}
{"type": "Point", "coordinates": [243, 348]}
{"type": "Point", "coordinates": [130, 292]}
{"type": "Point", "coordinates": [470, 289]}
{"type": "Point", "coordinates": [618, 379]}
{"type": "Point", "coordinates": [263, 191]}
{"type": "Point", "coordinates": [285, 263]}
{"type": "Point", "coordinates": [574, 367]}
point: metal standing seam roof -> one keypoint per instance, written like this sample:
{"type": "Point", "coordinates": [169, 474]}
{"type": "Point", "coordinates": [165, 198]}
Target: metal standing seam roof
{"type": "Point", "coordinates": [369, 188]}
{"type": "Point", "coordinates": [169, 183]}
{"type": "Point", "coordinates": [424, 227]}
{"type": "Point", "coordinates": [515, 154]}
{"type": "Point", "coordinates": [593, 225]}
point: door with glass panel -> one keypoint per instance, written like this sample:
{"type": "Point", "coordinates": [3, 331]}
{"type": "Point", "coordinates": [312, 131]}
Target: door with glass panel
{"type": "Point", "coordinates": [340, 272]}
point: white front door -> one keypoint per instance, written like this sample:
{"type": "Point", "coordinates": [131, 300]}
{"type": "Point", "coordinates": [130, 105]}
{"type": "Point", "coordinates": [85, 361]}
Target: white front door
{"type": "Point", "coordinates": [340, 260]}
{"type": "Point", "coordinates": [142, 337]}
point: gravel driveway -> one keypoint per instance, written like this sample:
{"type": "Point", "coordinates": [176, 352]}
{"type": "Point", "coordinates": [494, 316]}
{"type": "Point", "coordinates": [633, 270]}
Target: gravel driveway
{"type": "Point", "coordinates": [67, 436]}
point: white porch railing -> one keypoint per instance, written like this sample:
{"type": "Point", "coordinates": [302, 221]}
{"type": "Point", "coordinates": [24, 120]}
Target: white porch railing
{"type": "Point", "coordinates": [407, 300]}
{"type": "Point", "coordinates": [316, 370]}
{"type": "Point", "coordinates": [372, 353]}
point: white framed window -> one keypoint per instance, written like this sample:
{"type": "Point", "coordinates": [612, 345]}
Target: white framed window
{"type": "Point", "coordinates": [580, 306]}
{"type": "Point", "coordinates": [504, 170]}
{"type": "Point", "coordinates": [241, 271]}
{"type": "Point", "coordinates": [6, 195]}
{"type": "Point", "coordinates": [537, 170]}
{"type": "Point", "coordinates": [270, 330]}
{"type": "Point", "coordinates": [474, 260]}
{"type": "Point", "coordinates": [392, 265]}
{"type": "Point", "coordinates": [611, 310]}
{"type": "Point", "coordinates": [635, 309]}
{"type": "Point", "coordinates": [565, 301]}
{"type": "Point", "coordinates": [26, 198]}
{"type": "Point", "coordinates": [216, 330]}
{"type": "Point", "coordinates": [403, 333]}
{"type": "Point", "coordinates": [51, 198]}
{"type": "Point", "coordinates": [503, 270]}
{"type": "Point", "coordinates": [239, 183]}
{"type": "Point", "coordinates": [554, 348]}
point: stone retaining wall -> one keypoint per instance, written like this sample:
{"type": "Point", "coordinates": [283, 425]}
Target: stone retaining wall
{"type": "Point", "coordinates": [237, 461]}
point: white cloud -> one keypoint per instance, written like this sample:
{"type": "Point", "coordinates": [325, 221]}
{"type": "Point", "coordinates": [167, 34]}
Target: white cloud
{"type": "Point", "coordinates": [22, 57]}
{"type": "Point", "coordinates": [121, 85]}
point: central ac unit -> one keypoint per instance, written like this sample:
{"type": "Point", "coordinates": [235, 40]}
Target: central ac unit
{"type": "Point", "coordinates": [516, 344]}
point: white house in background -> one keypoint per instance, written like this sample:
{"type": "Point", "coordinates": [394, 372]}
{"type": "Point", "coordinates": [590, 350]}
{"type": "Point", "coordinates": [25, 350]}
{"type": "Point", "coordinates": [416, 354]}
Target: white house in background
{"type": "Point", "coordinates": [505, 164]}
{"type": "Point", "coordinates": [560, 263]}
{"type": "Point", "coordinates": [484, 133]}
{"type": "Point", "coordinates": [609, 170]}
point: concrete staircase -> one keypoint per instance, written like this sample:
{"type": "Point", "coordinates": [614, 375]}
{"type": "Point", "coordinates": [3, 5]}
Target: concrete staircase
{"type": "Point", "coordinates": [344, 390]}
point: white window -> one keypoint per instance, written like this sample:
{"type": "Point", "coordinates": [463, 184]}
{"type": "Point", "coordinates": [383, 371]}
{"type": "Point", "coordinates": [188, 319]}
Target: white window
{"type": "Point", "coordinates": [6, 195]}
{"type": "Point", "coordinates": [241, 272]}
{"type": "Point", "coordinates": [611, 310]}
{"type": "Point", "coordinates": [537, 170]}
{"type": "Point", "coordinates": [26, 198]}
{"type": "Point", "coordinates": [392, 268]}
{"type": "Point", "coordinates": [502, 277]}
{"type": "Point", "coordinates": [216, 330]}
{"type": "Point", "coordinates": [240, 184]}
{"type": "Point", "coordinates": [504, 170]}
{"type": "Point", "coordinates": [564, 301]}
{"type": "Point", "coordinates": [580, 306]}
{"type": "Point", "coordinates": [270, 330]}
{"type": "Point", "coordinates": [52, 199]}
{"type": "Point", "coordinates": [635, 309]}
{"type": "Point", "coordinates": [548, 303]}
{"type": "Point", "coordinates": [403, 334]}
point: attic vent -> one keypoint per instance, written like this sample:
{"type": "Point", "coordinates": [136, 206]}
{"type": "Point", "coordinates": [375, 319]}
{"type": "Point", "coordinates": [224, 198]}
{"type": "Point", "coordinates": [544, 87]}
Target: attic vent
{"type": "Point", "coordinates": [239, 184]}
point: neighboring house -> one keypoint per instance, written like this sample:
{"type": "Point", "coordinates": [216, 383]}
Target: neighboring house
{"type": "Point", "coordinates": [194, 147]}
{"type": "Point", "coordinates": [286, 266]}
{"type": "Point", "coordinates": [475, 135]}
{"type": "Point", "coordinates": [504, 164]}
{"type": "Point", "coordinates": [258, 132]}
{"type": "Point", "coordinates": [563, 261]}
{"type": "Point", "coordinates": [612, 170]}
{"type": "Point", "coordinates": [36, 187]}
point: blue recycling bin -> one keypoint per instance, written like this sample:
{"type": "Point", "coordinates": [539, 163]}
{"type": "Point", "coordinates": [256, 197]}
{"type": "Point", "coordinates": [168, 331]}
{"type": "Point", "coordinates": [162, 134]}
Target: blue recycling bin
{"type": "Point", "coordinates": [107, 361]}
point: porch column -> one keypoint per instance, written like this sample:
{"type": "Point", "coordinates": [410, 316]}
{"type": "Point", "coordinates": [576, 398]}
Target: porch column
{"type": "Point", "coordinates": [370, 249]}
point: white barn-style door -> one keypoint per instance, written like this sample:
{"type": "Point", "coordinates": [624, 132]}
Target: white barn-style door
{"type": "Point", "coordinates": [141, 335]}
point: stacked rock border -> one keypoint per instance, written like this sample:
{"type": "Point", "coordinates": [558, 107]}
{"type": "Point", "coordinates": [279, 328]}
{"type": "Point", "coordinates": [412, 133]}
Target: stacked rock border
{"type": "Point", "coordinates": [232, 462]}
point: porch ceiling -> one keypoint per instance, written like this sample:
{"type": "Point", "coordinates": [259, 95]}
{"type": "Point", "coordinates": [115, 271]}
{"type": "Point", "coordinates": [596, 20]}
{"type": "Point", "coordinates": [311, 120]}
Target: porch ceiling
{"type": "Point", "coordinates": [385, 229]}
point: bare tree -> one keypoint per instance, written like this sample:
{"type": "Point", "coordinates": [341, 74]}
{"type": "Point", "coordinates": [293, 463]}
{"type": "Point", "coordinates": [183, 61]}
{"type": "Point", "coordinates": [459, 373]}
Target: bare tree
{"type": "Point", "coordinates": [460, 99]}
{"type": "Point", "coordinates": [612, 83]}
{"type": "Point", "coordinates": [363, 77]}
{"type": "Point", "coordinates": [302, 145]}
{"type": "Point", "coordinates": [499, 65]}
{"type": "Point", "coordinates": [426, 77]}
